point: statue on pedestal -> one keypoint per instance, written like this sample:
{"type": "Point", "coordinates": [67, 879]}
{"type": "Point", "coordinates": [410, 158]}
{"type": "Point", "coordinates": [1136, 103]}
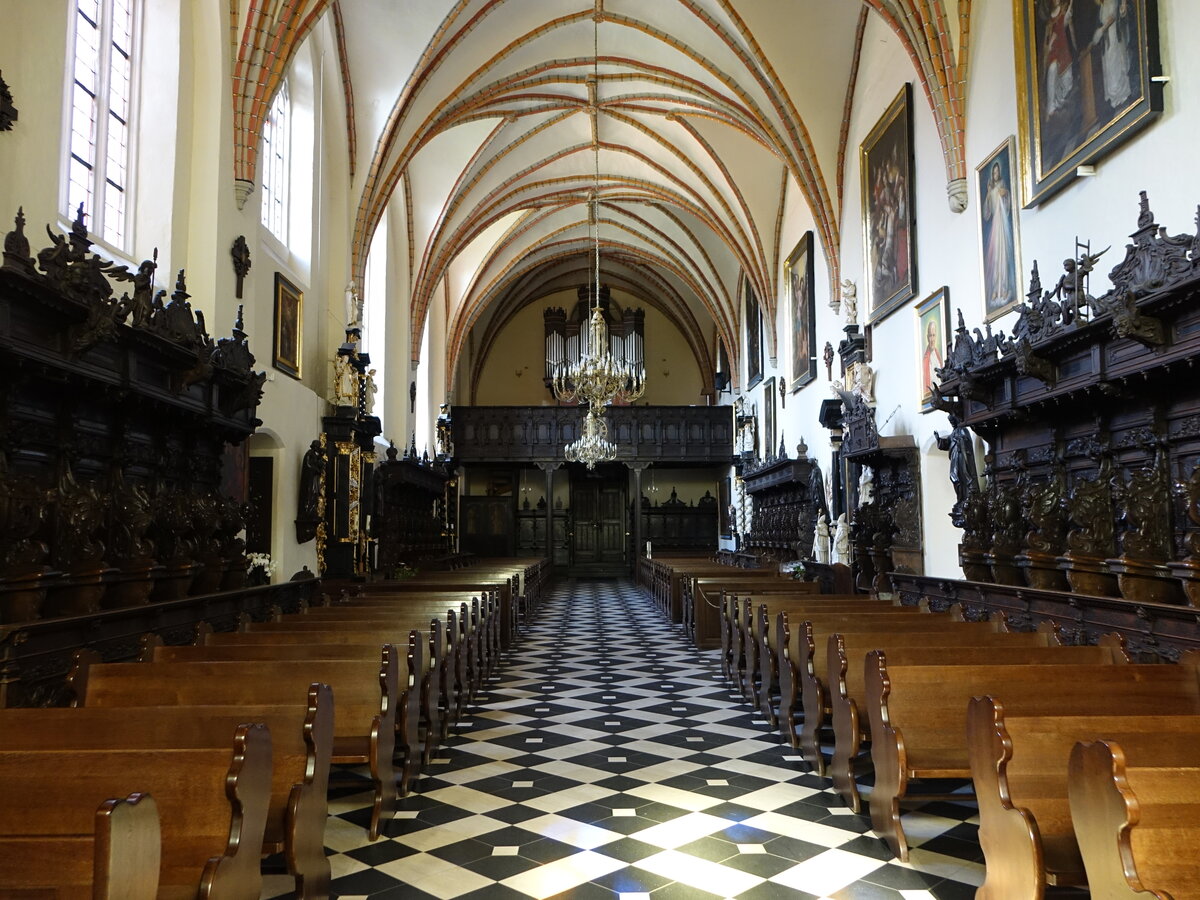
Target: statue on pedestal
{"type": "Point", "coordinates": [841, 541]}
{"type": "Point", "coordinates": [821, 545]}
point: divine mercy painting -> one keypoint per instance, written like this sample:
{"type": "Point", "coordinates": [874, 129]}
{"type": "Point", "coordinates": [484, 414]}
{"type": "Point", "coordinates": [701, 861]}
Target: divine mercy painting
{"type": "Point", "coordinates": [998, 234]}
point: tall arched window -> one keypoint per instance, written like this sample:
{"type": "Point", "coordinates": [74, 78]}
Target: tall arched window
{"type": "Point", "coordinates": [103, 72]}
{"type": "Point", "coordinates": [273, 164]}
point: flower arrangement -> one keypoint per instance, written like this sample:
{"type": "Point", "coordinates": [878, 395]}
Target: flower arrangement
{"type": "Point", "coordinates": [402, 572]}
{"type": "Point", "coordinates": [795, 569]}
{"type": "Point", "coordinates": [258, 568]}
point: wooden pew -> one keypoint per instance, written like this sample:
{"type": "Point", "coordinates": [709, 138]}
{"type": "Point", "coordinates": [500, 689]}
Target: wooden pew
{"type": "Point", "coordinates": [501, 588]}
{"type": "Point", "coordinates": [1137, 817]}
{"type": "Point", "coordinates": [431, 694]}
{"type": "Point", "coordinates": [301, 745]}
{"type": "Point", "coordinates": [212, 805]}
{"type": "Point", "coordinates": [819, 672]}
{"type": "Point", "coordinates": [118, 861]}
{"type": "Point", "coordinates": [1019, 763]}
{"type": "Point", "coordinates": [918, 712]}
{"type": "Point", "coordinates": [702, 598]}
{"type": "Point", "coordinates": [761, 668]}
{"type": "Point", "coordinates": [367, 699]}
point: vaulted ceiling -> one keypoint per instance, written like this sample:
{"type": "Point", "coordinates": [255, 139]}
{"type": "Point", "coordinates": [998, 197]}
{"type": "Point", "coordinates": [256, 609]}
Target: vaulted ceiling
{"type": "Point", "coordinates": [691, 123]}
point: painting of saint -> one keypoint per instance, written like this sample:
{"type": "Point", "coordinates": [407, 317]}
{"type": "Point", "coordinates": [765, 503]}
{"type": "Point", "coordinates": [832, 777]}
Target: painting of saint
{"type": "Point", "coordinates": [889, 227]}
{"type": "Point", "coordinates": [799, 272]}
{"type": "Point", "coordinates": [754, 360]}
{"type": "Point", "coordinates": [1084, 67]}
{"type": "Point", "coordinates": [933, 317]}
{"type": "Point", "coordinates": [998, 232]}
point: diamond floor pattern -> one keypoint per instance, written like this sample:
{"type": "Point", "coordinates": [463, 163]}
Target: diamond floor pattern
{"type": "Point", "coordinates": [608, 760]}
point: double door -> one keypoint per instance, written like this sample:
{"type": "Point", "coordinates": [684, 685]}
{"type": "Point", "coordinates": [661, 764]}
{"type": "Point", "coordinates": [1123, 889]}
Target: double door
{"type": "Point", "coordinates": [599, 527]}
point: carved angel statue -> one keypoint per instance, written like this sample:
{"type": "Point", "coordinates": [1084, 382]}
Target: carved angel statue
{"type": "Point", "coordinates": [821, 544]}
{"type": "Point", "coordinates": [370, 389]}
{"type": "Point", "coordinates": [841, 541]}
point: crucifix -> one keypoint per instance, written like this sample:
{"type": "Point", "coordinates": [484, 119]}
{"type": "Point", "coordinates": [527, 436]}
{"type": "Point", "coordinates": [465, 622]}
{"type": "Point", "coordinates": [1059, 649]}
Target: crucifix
{"type": "Point", "coordinates": [241, 261]}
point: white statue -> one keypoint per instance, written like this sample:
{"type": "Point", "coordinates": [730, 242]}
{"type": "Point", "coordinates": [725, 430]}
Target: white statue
{"type": "Point", "coordinates": [354, 306]}
{"type": "Point", "coordinates": [821, 544]}
{"type": "Point", "coordinates": [866, 486]}
{"type": "Point", "coordinates": [345, 381]}
{"type": "Point", "coordinates": [862, 381]}
{"type": "Point", "coordinates": [371, 388]}
{"type": "Point", "coordinates": [850, 301]}
{"type": "Point", "coordinates": [841, 541]}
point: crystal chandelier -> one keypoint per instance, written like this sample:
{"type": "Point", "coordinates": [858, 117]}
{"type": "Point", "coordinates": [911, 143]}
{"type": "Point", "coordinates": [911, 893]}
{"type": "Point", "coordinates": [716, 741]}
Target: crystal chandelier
{"type": "Point", "coordinates": [592, 445]}
{"type": "Point", "coordinates": [597, 378]}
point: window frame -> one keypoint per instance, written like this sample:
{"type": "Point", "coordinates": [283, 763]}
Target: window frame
{"type": "Point", "coordinates": [278, 192]}
{"type": "Point", "coordinates": [96, 212]}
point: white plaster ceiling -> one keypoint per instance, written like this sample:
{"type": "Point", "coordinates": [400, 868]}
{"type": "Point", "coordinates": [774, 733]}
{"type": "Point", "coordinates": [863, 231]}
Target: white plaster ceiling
{"type": "Point", "coordinates": [492, 111]}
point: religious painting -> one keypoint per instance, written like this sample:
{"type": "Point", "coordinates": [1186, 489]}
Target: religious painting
{"type": "Point", "coordinates": [799, 273]}
{"type": "Point", "coordinates": [889, 216]}
{"type": "Point", "coordinates": [754, 359]}
{"type": "Point", "coordinates": [933, 329]}
{"type": "Point", "coordinates": [1084, 83]}
{"type": "Point", "coordinates": [288, 302]}
{"type": "Point", "coordinates": [769, 445]}
{"type": "Point", "coordinates": [999, 235]}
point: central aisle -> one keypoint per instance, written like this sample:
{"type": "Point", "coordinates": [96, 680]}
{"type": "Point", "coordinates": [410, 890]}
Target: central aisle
{"type": "Point", "coordinates": [610, 760]}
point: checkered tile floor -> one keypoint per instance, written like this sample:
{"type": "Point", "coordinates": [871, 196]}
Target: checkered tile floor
{"type": "Point", "coordinates": [609, 760]}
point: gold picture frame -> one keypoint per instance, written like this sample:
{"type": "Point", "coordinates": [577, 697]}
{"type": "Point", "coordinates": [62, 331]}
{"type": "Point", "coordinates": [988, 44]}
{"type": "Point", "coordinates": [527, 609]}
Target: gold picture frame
{"type": "Point", "coordinates": [888, 209]}
{"type": "Point", "coordinates": [798, 275]}
{"type": "Point", "coordinates": [933, 333]}
{"type": "Point", "coordinates": [1085, 84]}
{"type": "Point", "coordinates": [289, 303]}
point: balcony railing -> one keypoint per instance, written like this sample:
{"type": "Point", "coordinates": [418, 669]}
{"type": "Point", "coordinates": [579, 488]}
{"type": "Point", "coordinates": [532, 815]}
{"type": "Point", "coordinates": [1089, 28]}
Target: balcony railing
{"type": "Point", "coordinates": [692, 434]}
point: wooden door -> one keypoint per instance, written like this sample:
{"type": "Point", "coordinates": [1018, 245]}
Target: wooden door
{"type": "Point", "coordinates": [599, 543]}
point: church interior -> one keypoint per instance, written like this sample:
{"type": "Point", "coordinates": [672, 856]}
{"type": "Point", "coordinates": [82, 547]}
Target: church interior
{"type": "Point", "coordinates": [599, 448]}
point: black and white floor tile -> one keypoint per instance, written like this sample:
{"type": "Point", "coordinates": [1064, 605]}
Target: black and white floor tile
{"type": "Point", "coordinates": [610, 760]}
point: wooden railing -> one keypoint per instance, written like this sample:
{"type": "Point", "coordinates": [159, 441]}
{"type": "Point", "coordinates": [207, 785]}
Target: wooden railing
{"type": "Point", "coordinates": [695, 434]}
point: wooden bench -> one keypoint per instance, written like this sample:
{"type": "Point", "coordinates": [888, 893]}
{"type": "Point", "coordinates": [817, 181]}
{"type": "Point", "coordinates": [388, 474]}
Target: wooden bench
{"type": "Point", "coordinates": [918, 714]}
{"type": "Point", "coordinates": [818, 670]}
{"type": "Point", "coordinates": [212, 805]}
{"type": "Point", "coordinates": [1019, 763]}
{"type": "Point", "coordinates": [1137, 817]}
{"type": "Point", "coordinates": [466, 581]}
{"type": "Point", "coordinates": [420, 705]}
{"type": "Point", "coordinates": [118, 861]}
{"type": "Point", "coordinates": [301, 745]}
{"type": "Point", "coordinates": [761, 667]}
{"type": "Point", "coordinates": [702, 599]}
{"type": "Point", "coordinates": [367, 699]}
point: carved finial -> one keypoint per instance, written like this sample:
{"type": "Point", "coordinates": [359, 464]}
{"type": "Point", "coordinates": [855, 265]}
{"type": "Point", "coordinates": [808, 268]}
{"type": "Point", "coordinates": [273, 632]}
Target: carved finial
{"type": "Point", "coordinates": [962, 326]}
{"type": "Point", "coordinates": [1145, 216]}
{"type": "Point", "coordinates": [180, 287]}
{"type": "Point", "coordinates": [802, 449]}
{"type": "Point", "coordinates": [1035, 284]}
{"type": "Point", "coordinates": [238, 325]}
{"type": "Point", "coordinates": [16, 245]}
{"type": "Point", "coordinates": [79, 232]}
{"type": "Point", "coordinates": [782, 447]}
{"type": "Point", "coordinates": [391, 451]}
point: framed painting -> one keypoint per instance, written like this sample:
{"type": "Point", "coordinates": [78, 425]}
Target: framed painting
{"type": "Point", "coordinates": [754, 359]}
{"type": "Point", "coordinates": [1085, 84]}
{"type": "Point", "coordinates": [799, 272]}
{"type": "Point", "coordinates": [889, 216]}
{"type": "Point", "coordinates": [289, 301]}
{"type": "Point", "coordinates": [769, 445]}
{"type": "Point", "coordinates": [999, 235]}
{"type": "Point", "coordinates": [933, 330]}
